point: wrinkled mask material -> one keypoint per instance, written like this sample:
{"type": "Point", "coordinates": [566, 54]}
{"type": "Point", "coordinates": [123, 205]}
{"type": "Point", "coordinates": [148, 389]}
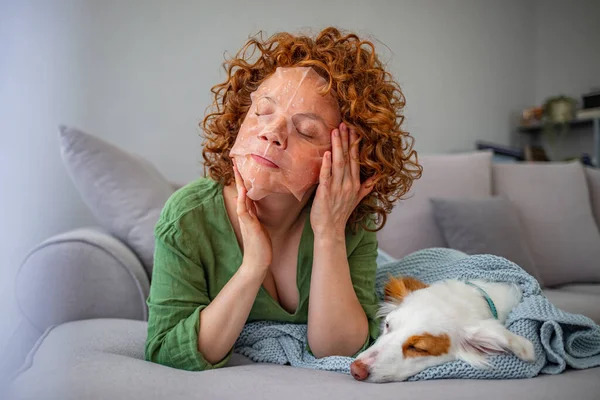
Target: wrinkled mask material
{"type": "Point", "coordinates": [281, 143]}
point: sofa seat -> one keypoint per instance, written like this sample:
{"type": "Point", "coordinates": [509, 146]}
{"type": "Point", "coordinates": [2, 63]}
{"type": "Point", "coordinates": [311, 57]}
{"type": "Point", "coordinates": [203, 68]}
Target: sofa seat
{"type": "Point", "coordinates": [103, 358]}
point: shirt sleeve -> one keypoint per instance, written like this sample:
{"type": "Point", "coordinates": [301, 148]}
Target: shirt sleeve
{"type": "Point", "coordinates": [178, 293]}
{"type": "Point", "coordinates": [363, 268]}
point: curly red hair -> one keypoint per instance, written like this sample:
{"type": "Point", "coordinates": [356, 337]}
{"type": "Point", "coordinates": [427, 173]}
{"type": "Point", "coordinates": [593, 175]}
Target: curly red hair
{"type": "Point", "coordinates": [369, 99]}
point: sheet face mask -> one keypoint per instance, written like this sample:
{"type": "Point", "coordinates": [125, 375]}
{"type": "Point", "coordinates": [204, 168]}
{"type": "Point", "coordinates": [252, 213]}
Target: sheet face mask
{"type": "Point", "coordinates": [281, 143]}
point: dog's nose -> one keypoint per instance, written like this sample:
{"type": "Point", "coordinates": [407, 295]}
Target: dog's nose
{"type": "Point", "coordinates": [359, 370]}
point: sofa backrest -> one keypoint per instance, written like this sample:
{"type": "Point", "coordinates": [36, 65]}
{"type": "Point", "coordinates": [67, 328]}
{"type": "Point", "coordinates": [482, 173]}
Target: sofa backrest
{"type": "Point", "coordinates": [593, 181]}
{"type": "Point", "coordinates": [554, 201]}
{"type": "Point", "coordinates": [558, 204]}
{"type": "Point", "coordinates": [411, 225]}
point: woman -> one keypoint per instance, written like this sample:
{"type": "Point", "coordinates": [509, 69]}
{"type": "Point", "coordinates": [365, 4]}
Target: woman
{"type": "Point", "coordinates": [305, 157]}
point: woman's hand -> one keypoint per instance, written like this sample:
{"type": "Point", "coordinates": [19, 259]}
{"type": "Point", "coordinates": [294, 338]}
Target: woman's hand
{"type": "Point", "coordinates": [258, 249]}
{"type": "Point", "coordinates": [339, 190]}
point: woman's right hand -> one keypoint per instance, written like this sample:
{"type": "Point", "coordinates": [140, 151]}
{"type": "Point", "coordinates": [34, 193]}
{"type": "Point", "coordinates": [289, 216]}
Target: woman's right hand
{"type": "Point", "coordinates": [257, 246]}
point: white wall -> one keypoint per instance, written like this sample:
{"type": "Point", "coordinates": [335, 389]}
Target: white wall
{"type": "Point", "coordinates": [567, 58]}
{"type": "Point", "coordinates": [567, 47]}
{"type": "Point", "coordinates": [40, 86]}
{"type": "Point", "coordinates": [138, 74]}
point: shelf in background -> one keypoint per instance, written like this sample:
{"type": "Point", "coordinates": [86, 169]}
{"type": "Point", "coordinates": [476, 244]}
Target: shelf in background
{"type": "Point", "coordinates": [508, 152]}
{"type": "Point", "coordinates": [593, 122]}
{"type": "Point", "coordinates": [534, 128]}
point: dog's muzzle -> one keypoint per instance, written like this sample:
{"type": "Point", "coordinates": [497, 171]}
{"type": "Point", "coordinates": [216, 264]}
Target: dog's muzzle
{"type": "Point", "coordinates": [359, 370]}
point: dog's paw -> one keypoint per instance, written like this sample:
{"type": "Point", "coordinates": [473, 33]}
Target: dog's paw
{"type": "Point", "coordinates": [522, 348]}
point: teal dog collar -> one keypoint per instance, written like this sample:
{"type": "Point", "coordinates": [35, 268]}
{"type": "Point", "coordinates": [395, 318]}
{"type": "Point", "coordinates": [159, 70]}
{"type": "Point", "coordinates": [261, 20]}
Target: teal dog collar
{"type": "Point", "coordinates": [487, 298]}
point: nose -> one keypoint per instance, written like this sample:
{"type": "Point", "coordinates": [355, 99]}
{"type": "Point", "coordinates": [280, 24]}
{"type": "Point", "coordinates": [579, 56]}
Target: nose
{"type": "Point", "coordinates": [276, 133]}
{"type": "Point", "coordinates": [359, 370]}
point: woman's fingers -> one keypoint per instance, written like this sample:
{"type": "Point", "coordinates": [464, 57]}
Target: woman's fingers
{"type": "Point", "coordinates": [249, 204]}
{"type": "Point", "coordinates": [252, 210]}
{"type": "Point", "coordinates": [345, 135]}
{"type": "Point", "coordinates": [237, 177]}
{"type": "Point", "coordinates": [241, 207]}
{"type": "Point", "coordinates": [337, 158]}
{"type": "Point", "coordinates": [245, 206]}
{"type": "Point", "coordinates": [354, 165]}
{"type": "Point", "coordinates": [325, 175]}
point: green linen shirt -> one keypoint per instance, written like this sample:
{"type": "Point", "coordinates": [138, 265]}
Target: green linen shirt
{"type": "Point", "coordinates": [195, 256]}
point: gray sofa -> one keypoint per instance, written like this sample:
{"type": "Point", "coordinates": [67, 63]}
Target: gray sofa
{"type": "Point", "coordinates": [82, 294]}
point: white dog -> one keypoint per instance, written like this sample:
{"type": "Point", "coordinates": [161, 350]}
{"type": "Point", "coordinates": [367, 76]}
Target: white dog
{"type": "Point", "coordinates": [426, 326]}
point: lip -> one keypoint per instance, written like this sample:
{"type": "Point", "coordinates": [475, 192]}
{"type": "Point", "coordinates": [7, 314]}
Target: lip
{"type": "Point", "coordinates": [264, 161]}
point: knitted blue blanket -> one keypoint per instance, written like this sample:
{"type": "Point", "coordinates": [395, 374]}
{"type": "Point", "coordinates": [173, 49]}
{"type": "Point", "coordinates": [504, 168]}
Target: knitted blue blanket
{"type": "Point", "coordinates": [560, 339]}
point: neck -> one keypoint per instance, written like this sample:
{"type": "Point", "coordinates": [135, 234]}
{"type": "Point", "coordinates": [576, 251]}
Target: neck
{"type": "Point", "coordinates": [279, 213]}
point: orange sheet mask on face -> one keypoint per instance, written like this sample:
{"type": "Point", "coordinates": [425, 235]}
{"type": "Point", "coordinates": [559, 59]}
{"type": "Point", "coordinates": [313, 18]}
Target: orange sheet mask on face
{"type": "Point", "coordinates": [281, 143]}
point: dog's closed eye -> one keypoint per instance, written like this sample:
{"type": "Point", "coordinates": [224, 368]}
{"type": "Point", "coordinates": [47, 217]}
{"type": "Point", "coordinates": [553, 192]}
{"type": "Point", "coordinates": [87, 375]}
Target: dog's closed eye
{"type": "Point", "coordinates": [426, 345]}
{"type": "Point", "coordinates": [419, 350]}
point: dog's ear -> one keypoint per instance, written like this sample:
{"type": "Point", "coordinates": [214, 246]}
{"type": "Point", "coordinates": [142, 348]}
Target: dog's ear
{"type": "Point", "coordinates": [486, 338]}
{"type": "Point", "coordinates": [397, 288]}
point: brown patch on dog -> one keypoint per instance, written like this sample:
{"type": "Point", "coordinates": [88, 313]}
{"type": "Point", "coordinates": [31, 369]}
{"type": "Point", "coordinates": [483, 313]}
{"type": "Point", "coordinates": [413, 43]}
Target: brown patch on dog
{"type": "Point", "coordinates": [426, 345]}
{"type": "Point", "coordinates": [398, 288]}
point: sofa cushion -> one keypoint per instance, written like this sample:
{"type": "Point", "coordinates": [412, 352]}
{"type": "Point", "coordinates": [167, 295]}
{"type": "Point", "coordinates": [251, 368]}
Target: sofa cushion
{"type": "Point", "coordinates": [553, 201]}
{"type": "Point", "coordinates": [103, 359]}
{"type": "Point", "coordinates": [124, 192]}
{"type": "Point", "coordinates": [484, 226]}
{"type": "Point", "coordinates": [593, 180]}
{"type": "Point", "coordinates": [411, 225]}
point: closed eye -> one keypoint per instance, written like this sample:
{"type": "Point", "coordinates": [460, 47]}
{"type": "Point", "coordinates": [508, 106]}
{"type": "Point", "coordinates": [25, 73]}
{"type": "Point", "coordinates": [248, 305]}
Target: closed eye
{"type": "Point", "coordinates": [417, 349]}
{"type": "Point", "coordinates": [262, 113]}
{"type": "Point", "coordinates": [308, 130]}
{"type": "Point", "coordinates": [312, 125]}
{"type": "Point", "coordinates": [306, 135]}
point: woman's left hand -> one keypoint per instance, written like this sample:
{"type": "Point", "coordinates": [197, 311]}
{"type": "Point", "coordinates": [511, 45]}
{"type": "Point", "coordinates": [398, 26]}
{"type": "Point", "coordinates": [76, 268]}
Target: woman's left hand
{"type": "Point", "coordinates": [339, 190]}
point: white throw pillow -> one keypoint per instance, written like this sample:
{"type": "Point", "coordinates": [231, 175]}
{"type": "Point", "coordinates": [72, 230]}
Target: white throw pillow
{"type": "Point", "coordinates": [124, 192]}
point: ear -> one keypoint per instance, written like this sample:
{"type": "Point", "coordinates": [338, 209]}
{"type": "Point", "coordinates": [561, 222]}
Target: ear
{"type": "Point", "coordinates": [385, 308]}
{"type": "Point", "coordinates": [486, 338]}
{"type": "Point", "coordinates": [366, 187]}
{"type": "Point", "coordinates": [398, 288]}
